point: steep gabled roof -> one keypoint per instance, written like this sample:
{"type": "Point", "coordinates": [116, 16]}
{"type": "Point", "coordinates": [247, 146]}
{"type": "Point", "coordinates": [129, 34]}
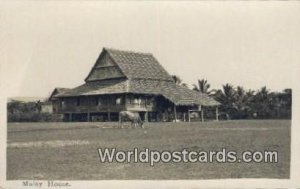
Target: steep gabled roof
{"type": "Point", "coordinates": [135, 64]}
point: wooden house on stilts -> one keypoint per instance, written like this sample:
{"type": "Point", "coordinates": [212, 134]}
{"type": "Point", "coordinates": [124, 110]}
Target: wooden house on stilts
{"type": "Point", "coordinates": [125, 80]}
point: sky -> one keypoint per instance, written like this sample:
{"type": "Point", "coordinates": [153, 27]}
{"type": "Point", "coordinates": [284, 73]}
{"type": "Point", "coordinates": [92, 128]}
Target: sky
{"type": "Point", "coordinates": [48, 44]}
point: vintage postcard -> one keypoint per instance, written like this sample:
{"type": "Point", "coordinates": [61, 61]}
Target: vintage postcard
{"type": "Point", "coordinates": [150, 94]}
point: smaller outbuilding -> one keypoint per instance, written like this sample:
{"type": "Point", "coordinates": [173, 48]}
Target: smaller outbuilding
{"type": "Point", "coordinates": [54, 101]}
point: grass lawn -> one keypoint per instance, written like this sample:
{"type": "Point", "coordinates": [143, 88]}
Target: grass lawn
{"type": "Point", "coordinates": [68, 151]}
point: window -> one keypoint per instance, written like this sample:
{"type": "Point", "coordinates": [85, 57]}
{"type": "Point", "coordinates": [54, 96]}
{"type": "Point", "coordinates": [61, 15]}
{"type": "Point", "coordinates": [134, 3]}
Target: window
{"type": "Point", "coordinates": [150, 101]}
{"type": "Point", "coordinates": [94, 101]}
{"type": "Point", "coordinates": [118, 101]}
{"type": "Point", "coordinates": [99, 103]}
{"type": "Point", "coordinates": [137, 101]}
{"type": "Point", "coordinates": [63, 103]}
{"type": "Point", "coordinates": [78, 102]}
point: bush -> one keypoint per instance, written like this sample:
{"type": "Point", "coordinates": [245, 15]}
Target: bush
{"type": "Point", "coordinates": [33, 117]}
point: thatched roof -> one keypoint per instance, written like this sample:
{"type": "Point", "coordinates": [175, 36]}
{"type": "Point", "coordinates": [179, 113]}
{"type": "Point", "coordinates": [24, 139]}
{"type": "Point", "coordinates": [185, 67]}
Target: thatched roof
{"type": "Point", "coordinates": [138, 65]}
{"type": "Point", "coordinates": [97, 88]}
{"type": "Point", "coordinates": [144, 75]}
{"type": "Point", "coordinates": [179, 95]}
{"type": "Point", "coordinates": [113, 64]}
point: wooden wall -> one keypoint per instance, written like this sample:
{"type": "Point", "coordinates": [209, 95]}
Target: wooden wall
{"type": "Point", "coordinates": [104, 68]}
{"type": "Point", "coordinates": [106, 103]}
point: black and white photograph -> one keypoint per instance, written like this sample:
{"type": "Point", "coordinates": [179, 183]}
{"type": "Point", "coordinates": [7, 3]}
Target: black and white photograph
{"type": "Point", "coordinates": [143, 94]}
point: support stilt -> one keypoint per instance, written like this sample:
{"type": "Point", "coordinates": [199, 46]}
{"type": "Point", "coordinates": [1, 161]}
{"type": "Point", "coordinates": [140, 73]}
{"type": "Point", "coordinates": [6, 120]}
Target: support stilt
{"type": "Point", "coordinates": [146, 117]}
{"type": "Point", "coordinates": [175, 114]}
{"type": "Point", "coordinates": [108, 116]}
{"type": "Point", "coordinates": [217, 113]}
{"type": "Point", "coordinates": [202, 114]}
{"type": "Point", "coordinates": [88, 113]}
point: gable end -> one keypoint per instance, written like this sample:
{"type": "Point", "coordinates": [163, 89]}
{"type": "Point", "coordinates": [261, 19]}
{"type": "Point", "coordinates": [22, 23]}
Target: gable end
{"type": "Point", "coordinates": [104, 68]}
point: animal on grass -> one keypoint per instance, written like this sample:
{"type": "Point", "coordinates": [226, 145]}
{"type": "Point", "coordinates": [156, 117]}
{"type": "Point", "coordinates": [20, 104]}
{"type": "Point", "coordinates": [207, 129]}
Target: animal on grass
{"type": "Point", "coordinates": [133, 117]}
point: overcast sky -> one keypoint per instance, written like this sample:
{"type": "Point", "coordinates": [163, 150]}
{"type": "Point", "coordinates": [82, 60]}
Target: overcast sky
{"type": "Point", "coordinates": [55, 43]}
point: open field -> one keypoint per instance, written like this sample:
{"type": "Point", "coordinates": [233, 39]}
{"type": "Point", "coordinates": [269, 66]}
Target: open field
{"type": "Point", "coordinates": [69, 150]}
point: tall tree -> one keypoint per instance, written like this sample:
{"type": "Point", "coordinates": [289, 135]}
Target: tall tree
{"type": "Point", "coordinates": [287, 105]}
{"type": "Point", "coordinates": [243, 102]}
{"type": "Point", "coordinates": [287, 97]}
{"type": "Point", "coordinates": [227, 97]}
{"type": "Point", "coordinates": [202, 86]}
{"type": "Point", "coordinates": [262, 103]}
{"type": "Point", "coordinates": [281, 104]}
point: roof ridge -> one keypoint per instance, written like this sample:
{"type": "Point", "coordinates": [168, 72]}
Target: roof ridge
{"type": "Point", "coordinates": [152, 79]}
{"type": "Point", "coordinates": [61, 88]}
{"type": "Point", "coordinates": [126, 51]}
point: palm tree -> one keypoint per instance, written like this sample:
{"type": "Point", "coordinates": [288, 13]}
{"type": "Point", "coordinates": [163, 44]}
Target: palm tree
{"type": "Point", "coordinates": [287, 107]}
{"type": "Point", "coordinates": [227, 97]}
{"type": "Point", "coordinates": [262, 103]}
{"type": "Point", "coordinates": [178, 81]}
{"type": "Point", "coordinates": [203, 86]}
{"type": "Point", "coordinates": [38, 106]}
{"type": "Point", "coordinates": [281, 103]}
{"type": "Point", "coordinates": [287, 97]}
{"type": "Point", "coordinates": [250, 96]}
{"type": "Point", "coordinates": [243, 102]}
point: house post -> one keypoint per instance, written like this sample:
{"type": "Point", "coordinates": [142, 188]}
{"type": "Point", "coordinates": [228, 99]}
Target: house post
{"type": "Point", "coordinates": [146, 117]}
{"type": "Point", "coordinates": [70, 117]}
{"type": "Point", "coordinates": [88, 109]}
{"type": "Point", "coordinates": [109, 100]}
{"type": "Point", "coordinates": [217, 113]}
{"type": "Point", "coordinates": [202, 114]}
{"type": "Point", "coordinates": [125, 102]}
{"type": "Point", "coordinates": [189, 115]}
{"type": "Point", "coordinates": [175, 113]}
{"type": "Point", "coordinates": [108, 116]}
